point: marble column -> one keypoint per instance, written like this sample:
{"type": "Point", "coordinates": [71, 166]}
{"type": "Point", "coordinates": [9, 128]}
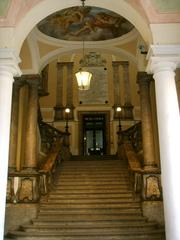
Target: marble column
{"type": "Point", "coordinates": [14, 124]}
{"type": "Point", "coordinates": [59, 93]}
{"type": "Point", "coordinates": [146, 117]}
{"type": "Point", "coordinates": [116, 80]}
{"type": "Point", "coordinates": [128, 108]}
{"type": "Point", "coordinates": [31, 125]}
{"type": "Point", "coordinates": [69, 97]}
{"type": "Point", "coordinates": [163, 61]}
{"type": "Point", "coordinates": [8, 68]}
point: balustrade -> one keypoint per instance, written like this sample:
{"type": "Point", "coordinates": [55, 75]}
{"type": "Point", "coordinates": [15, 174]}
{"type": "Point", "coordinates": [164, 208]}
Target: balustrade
{"type": "Point", "coordinates": [28, 186]}
{"type": "Point", "coordinates": [146, 182]}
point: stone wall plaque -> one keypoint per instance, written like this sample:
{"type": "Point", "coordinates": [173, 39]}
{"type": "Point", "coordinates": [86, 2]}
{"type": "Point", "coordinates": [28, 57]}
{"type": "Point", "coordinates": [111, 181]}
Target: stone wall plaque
{"type": "Point", "coordinates": [98, 92]}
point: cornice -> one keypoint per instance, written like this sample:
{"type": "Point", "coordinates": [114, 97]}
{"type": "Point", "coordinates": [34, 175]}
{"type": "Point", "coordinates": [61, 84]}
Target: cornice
{"type": "Point", "coordinates": [163, 56]}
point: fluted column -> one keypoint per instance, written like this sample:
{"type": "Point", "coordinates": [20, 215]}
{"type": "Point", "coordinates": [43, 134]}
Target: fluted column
{"type": "Point", "coordinates": [8, 68]}
{"type": "Point", "coordinates": [146, 116]}
{"type": "Point", "coordinates": [116, 80]}
{"type": "Point", "coordinates": [31, 127]}
{"type": "Point", "coordinates": [14, 124]}
{"type": "Point", "coordinates": [69, 97]}
{"type": "Point", "coordinates": [59, 93]}
{"type": "Point", "coordinates": [163, 61]}
{"type": "Point", "coordinates": [128, 113]}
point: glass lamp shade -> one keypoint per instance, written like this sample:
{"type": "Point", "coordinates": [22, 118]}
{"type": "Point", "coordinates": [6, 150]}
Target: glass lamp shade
{"type": "Point", "coordinates": [83, 79]}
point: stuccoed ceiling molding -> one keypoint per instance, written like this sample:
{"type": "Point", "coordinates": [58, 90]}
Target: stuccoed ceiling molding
{"type": "Point", "coordinates": [162, 11]}
{"type": "Point", "coordinates": [4, 5]}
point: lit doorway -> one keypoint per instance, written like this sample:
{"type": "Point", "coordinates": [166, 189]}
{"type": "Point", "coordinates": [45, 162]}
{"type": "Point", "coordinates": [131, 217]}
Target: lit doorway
{"type": "Point", "coordinates": [94, 137]}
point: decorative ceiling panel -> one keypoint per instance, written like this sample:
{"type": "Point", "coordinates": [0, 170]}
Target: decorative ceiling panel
{"type": "Point", "coordinates": [4, 4]}
{"type": "Point", "coordinates": [167, 6]}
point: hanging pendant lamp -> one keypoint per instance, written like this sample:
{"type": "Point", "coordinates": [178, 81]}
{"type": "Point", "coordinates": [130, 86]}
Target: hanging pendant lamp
{"type": "Point", "coordinates": [83, 76]}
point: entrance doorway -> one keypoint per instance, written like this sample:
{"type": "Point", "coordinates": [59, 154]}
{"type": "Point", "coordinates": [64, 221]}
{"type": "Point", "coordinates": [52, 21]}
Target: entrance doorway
{"type": "Point", "coordinates": [94, 134]}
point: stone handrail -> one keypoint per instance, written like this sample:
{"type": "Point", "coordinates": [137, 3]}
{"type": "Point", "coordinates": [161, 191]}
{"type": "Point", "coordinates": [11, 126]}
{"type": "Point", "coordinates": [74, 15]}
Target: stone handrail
{"type": "Point", "coordinates": [49, 135]}
{"type": "Point", "coordinates": [134, 136]}
{"type": "Point", "coordinates": [55, 144]}
{"type": "Point", "coordinates": [145, 182]}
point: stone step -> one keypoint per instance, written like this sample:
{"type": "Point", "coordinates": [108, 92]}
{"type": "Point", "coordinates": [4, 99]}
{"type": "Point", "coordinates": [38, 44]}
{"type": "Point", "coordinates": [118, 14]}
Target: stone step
{"type": "Point", "coordinates": [143, 237]}
{"type": "Point", "coordinates": [92, 183]}
{"type": "Point", "coordinates": [91, 224]}
{"type": "Point", "coordinates": [90, 211]}
{"type": "Point", "coordinates": [95, 186]}
{"type": "Point", "coordinates": [88, 234]}
{"type": "Point", "coordinates": [105, 162]}
{"type": "Point", "coordinates": [92, 231]}
{"type": "Point", "coordinates": [90, 191]}
{"type": "Point", "coordinates": [90, 201]}
{"type": "Point", "coordinates": [93, 172]}
{"type": "Point", "coordinates": [93, 177]}
{"type": "Point", "coordinates": [89, 195]}
{"type": "Point", "coordinates": [123, 205]}
{"type": "Point", "coordinates": [86, 217]}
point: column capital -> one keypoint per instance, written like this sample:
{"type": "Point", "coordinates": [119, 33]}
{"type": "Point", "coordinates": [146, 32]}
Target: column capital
{"type": "Point", "coordinates": [30, 79]}
{"type": "Point", "coordinates": [120, 63]}
{"type": "Point", "coordinates": [61, 64]}
{"type": "Point", "coordinates": [116, 63]}
{"type": "Point", "coordinates": [124, 63]}
{"type": "Point", "coordinates": [70, 64]}
{"type": "Point", "coordinates": [9, 61]}
{"type": "Point", "coordinates": [163, 58]}
{"type": "Point", "coordinates": [144, 78]}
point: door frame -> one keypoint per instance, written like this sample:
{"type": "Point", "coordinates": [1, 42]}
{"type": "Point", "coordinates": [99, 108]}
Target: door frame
{"type": "Point", "coordinates": [81, 115]}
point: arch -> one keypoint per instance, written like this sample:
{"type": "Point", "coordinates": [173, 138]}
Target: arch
{"type": "Point", "coordinates": [63, 51]}
{"type": "Point", "coordinates": [45, 8]}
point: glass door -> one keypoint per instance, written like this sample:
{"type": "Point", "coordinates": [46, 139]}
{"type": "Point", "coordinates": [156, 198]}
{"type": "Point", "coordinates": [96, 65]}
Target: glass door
{"type": "Point", "coordinates": [94, 135]}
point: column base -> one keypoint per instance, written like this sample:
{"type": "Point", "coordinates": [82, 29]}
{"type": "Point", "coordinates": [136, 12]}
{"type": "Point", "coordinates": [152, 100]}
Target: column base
{"type": "Point", "coordinates": [154, 211]}
{"type": "Point", "coordinates": [59, 113]}
{"type": "Point", "coordinates": [150, 168]}
{"type": "Point", "coordinates": [128, 111]}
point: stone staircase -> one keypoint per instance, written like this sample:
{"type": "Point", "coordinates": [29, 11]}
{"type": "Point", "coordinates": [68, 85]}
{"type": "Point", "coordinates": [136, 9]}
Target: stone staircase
{"type": "Point", "coordinates": [91, 200]}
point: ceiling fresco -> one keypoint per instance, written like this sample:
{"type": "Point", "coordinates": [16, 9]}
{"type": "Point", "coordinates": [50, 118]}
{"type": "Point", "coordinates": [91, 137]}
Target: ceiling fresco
{"type": "Point", "coordinates": [85, 23]}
